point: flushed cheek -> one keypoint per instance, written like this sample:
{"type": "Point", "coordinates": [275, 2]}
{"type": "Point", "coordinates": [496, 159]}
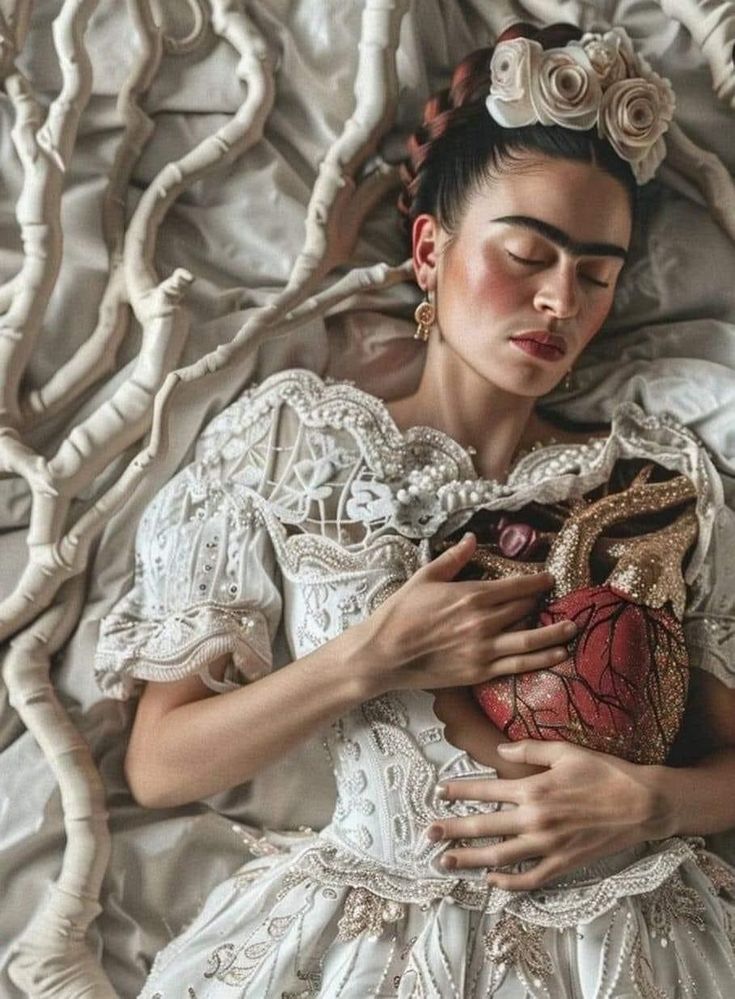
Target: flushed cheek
{"type": "Point", "coordinates": [487, 287]}
{"type": "Point", "coordinates": [507, 294]}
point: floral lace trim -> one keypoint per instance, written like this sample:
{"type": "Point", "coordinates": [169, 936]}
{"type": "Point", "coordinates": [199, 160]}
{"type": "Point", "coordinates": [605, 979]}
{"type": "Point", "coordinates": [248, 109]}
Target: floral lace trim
{"type": "Point", "coordinates": [579, 899]}
{"type": "Point", "coordinates": [179, 645]}
{"type": "Point", "coordinates": [426, 480]}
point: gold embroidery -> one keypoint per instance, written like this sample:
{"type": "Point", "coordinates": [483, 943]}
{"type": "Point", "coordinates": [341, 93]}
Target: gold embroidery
{"type": "Point", "coordinates": [313, 981]}
{"type": "Point", "coordinates": [365, 912]}
{"type": "Point", "coordinates": [673, 901]}
{"type": "Point", "coordinates": [643, 973]}
{"type": "Point", "coordinates": [513, 942]}
{"type": "Point", "coordinates": [717, 871]}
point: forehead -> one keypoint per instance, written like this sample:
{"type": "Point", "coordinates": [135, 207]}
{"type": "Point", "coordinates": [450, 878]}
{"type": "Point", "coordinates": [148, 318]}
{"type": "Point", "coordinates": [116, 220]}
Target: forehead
{"type": "Point", "coordinates": [579, 199]}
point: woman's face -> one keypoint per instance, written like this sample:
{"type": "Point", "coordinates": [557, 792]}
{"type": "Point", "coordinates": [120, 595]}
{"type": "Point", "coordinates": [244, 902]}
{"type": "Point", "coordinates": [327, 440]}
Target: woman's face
{"type": "Point", "coordinates": [538, 251]}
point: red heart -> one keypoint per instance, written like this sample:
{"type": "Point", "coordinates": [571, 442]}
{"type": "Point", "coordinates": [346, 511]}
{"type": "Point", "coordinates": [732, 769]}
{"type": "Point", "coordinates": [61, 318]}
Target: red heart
{"type": "Point", "coordinates": [622, 690]}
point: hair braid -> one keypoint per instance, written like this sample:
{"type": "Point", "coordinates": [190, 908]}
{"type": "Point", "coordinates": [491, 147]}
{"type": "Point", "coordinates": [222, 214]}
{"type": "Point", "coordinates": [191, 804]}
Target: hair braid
{"type": "Point", "coordinates": [441, 111]}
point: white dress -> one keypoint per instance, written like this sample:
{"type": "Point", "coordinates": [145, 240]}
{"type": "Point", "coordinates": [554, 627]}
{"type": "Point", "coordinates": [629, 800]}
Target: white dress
{"type": "Point", "coordinates": [306, 506]}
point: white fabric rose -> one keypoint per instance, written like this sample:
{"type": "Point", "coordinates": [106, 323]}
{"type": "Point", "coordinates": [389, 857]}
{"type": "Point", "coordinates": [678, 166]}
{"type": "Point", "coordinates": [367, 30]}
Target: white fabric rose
{"type": "Point", "coordinates": [636, 64]}
{"type": "Point", "coordinates": [597, 80]}
{"type": "Point", "coordinates": [608, 54]}
{"type": "Point", "coordinates": [566, 91]}
{"type": "Point", "coordinates": [633, 117]}
{"type": "Point", "coordinates": [514, 64]}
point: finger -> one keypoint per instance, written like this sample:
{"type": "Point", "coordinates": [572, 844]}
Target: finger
{"type": "Point", "coordinates": [500, 823]}
{"type": "Point", "coordinates": [482, 789]}
{"type": "Point", "coordinates": [500, 591]}
{"type": "Point", "coordinates": [523, 848]}
{"type": "Point", "coordinates": [527, 662]}
{"type": "Point", "coordinates": [446, 565]}
{"type": "Point", "coordinates": [536, 877]}
{"type": "Point", "coordinates": [514, 850]}
{"type": "Point", "coordinates": [538, 752]}
{"type": "Point", "coordinates": [524, 624]}
{"type": "Point", "coordinates": [505, 614]}
{"type": "Point", "coordinates": [521, 585]}
{"type": "Point", "coordinates": [531, 639]}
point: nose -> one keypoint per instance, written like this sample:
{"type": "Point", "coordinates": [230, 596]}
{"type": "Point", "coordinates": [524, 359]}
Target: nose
{"type": "Point", "coordinates": [558, 292]}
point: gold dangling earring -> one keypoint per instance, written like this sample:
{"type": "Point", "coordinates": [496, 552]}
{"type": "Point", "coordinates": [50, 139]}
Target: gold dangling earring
{"type": "Point", "coordinates": [567, 383]}
{"type": "Point", "coordinates": [424, 315]}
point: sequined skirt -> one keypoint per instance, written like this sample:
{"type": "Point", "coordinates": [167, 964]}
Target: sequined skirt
{"type": "Point", "coordinates": [309, 920]}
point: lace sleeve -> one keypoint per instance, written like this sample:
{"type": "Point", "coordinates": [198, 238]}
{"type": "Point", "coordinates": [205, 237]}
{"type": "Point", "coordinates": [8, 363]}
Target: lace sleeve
{"type": "Point", "coordinates": [206, 582]}
{"type": "Point", "coordinates": [709, 618]}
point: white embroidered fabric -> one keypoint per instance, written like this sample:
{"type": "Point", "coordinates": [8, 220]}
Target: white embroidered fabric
{"type": "Point", "coordinates": [304, 493]}
{"type": "Point", "coordinates": [305, 504]}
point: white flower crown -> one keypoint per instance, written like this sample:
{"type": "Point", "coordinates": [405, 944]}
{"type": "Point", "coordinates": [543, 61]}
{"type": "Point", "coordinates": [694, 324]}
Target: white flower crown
{"type": "Point", "coordinates": [596, 80]}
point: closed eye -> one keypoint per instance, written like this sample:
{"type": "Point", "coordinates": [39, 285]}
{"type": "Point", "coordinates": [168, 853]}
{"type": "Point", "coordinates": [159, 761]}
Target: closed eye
{"type": "Point", "coordinates": [585, 277]}
{"type": "Point", "coordinates": [522, 260]}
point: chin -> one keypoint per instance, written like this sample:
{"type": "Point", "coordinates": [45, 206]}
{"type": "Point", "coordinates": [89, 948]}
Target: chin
{"type": "Point", "coordinates": [523, 391]}
{"type": "Point", "coordinates": [531, 382]}
{"type": "Point", "coordinates": [524, 380]}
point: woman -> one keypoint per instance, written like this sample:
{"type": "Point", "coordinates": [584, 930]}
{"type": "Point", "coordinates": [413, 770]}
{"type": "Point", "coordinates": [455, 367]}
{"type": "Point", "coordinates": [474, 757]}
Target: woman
{"type": "Point", "coordinates": [532, 869]}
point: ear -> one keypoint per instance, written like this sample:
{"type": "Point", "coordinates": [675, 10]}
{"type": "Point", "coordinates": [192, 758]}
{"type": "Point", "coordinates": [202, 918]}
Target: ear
{"type": "Point", "coordinates": [425, 235]}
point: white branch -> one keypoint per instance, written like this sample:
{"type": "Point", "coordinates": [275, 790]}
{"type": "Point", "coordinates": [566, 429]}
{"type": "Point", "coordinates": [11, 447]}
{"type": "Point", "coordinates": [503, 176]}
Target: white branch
{"type": "Point", "coordinates": [711, 23]}
{"type": "Point", "coordinates": [44, 148]}
{"type": "Point", "coordinates": [97, 355]}
{"type": "Point", "coordinates": [707, 171]}
{"type": "Point", "coordinates": [51, 960]}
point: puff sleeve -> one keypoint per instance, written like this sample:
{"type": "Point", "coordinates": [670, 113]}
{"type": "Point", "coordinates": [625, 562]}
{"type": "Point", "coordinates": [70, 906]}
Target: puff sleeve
{"type": "Point", "coordinates": [206, 583]}
{"type": "Point", "coordinates": [709, 618]}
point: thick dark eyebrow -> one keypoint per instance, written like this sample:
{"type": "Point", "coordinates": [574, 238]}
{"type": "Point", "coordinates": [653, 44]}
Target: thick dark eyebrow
{"type": "Point", "coordinates": [563, 240]}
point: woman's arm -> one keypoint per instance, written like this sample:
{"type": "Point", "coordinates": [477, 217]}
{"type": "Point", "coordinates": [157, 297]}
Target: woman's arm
{"type": "Point", "coordinates": [587, 805]}
{"type": "Point", "coordinates": [188, 742]}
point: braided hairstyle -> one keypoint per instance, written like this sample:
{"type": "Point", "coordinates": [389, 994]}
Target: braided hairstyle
{"type": "Point", "coordinates": [459, 146]}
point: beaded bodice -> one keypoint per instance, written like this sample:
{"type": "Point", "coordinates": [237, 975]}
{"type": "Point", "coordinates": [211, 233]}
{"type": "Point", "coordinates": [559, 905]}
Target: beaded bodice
{"type": "Point", "coordinates": [387, 756]}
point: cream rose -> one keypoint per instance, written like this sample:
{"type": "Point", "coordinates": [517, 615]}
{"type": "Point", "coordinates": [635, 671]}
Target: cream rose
{"type": "Point", "coordinates": [566, 91]}
{"type": "Point", "coordinates": [513, 65]}
{"type": "Point", "coordinates": [633, 117]}
{"type": "Point", "coordinates": [607, 54]}
{"type": "Point", "coordinates": [637, 65]}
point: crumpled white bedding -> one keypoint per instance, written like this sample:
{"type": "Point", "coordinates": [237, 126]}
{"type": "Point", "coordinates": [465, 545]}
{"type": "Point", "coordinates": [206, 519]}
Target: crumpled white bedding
{"type": "Point", "coordinates": [670, 345]}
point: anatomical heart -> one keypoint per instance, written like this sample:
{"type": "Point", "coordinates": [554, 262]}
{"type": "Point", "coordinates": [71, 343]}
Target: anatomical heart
{"type": "Point", "coordinates": [617, 557]}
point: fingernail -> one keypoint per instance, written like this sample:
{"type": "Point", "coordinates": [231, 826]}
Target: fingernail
{"type": "Point", "coordinates": [440, 791]}
{"type": "Point", "coordinates": [503, 747]}
{"type": "Point", "coordinates": [433, 833]}
{"type": "Point", "coordinates": [449, 862]}
{"type": "Point", "coordinates": [570, 628]}
{"type": "Point", "coordinates": [466, 537]}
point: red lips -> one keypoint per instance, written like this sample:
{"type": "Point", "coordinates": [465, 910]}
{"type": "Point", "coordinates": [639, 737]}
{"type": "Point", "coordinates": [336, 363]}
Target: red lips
{"type": "Point", "coordinates": [543, 337]}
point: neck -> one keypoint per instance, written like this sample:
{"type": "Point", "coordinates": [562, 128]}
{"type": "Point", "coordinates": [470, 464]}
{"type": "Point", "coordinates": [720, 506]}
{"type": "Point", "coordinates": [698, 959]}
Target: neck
{"type": "Point", "coordinates": [455, 399]}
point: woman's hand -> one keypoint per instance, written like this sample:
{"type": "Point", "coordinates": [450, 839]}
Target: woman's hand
{"type": "Point", "coordinates": [434, 632]}
{"type": "Point", "coordinates": [586, 805]}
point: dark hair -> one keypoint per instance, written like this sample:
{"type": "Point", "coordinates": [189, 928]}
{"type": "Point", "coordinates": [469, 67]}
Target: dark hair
{"type": "Point", "coordinates": [459, 145]}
